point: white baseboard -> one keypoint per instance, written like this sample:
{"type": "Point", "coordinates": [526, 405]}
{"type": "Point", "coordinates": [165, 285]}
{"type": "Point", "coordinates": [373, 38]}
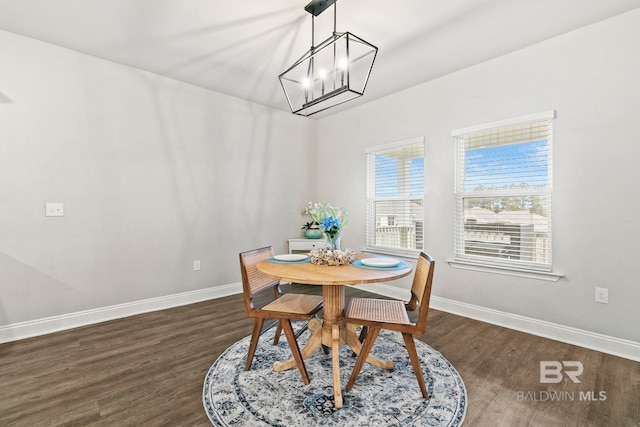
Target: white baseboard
{"type": "Point", "coordinates": [594, 341]}
{"type": "Point", "coordinates": [606, 344]}
{"type": "Point", "coordinates": [18, 331]}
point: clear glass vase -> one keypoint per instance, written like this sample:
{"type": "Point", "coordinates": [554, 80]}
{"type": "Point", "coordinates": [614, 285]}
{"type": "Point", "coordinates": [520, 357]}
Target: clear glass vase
{"type": "Point", "coordinates": [332, 242]}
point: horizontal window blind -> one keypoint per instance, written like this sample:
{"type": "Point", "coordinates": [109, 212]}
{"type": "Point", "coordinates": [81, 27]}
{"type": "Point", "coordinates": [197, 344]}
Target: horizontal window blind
{"type": "Point", "coordinates": [503, 195]}
{"type": "Point", "coordinates": [395, 192]}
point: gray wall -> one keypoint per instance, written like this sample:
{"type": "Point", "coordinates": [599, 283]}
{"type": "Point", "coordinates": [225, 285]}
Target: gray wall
{"type": "Point", "coordinates": [590, 77]}
{"type": "Point", "coordinates": [153, 173]}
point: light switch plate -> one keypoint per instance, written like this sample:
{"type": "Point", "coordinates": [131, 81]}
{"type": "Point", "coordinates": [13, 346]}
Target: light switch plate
{"type": "Point", "coordinates": [54, 209]}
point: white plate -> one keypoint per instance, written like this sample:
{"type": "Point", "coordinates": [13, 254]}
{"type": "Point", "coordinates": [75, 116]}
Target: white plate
{"type": "Point", "coordinates": [380, 262]}
{"type": "Point", "coordinates": [291, 257]}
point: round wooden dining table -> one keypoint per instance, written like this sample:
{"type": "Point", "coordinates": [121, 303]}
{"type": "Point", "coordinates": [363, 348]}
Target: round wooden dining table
{"type": "Point", "coordinates": [332, 331]}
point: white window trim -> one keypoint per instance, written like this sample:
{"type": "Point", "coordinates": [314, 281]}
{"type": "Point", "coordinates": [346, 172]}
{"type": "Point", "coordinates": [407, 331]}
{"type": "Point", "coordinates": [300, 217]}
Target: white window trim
{"type": "Point", "coordinates": [479, 265]}
{"type": "Point", "coordinates": [409, 254]}
{"type": "Point", "coordinates": [546, 115]}
{"type": "Point", "coordinates": [416, 140]}
{"type": "Point", "coordinates": [509, 271]}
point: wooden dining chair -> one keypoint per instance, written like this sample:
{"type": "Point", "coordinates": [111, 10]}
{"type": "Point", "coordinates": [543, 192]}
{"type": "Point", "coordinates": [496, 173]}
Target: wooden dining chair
{"type": "Point", "coordinates": [263, 299]}
{"type": "Point", "coordinates": [394, 315]}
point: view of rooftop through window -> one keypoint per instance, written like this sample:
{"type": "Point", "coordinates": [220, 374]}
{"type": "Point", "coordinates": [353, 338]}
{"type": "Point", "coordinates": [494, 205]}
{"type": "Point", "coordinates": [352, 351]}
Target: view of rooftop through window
{"type": "Point", "coordinates": [504, 194]}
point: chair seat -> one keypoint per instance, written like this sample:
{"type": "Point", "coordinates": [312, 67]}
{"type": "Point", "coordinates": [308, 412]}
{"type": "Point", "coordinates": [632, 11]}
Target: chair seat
{"type": "Point", "coordinates": [295, 303]}
{"type": "Point", "coordinates": [378, 310]}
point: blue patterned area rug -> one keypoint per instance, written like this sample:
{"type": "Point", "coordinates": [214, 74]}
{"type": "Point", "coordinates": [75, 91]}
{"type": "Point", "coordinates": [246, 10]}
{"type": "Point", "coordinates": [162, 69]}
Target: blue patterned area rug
{"type": "Point", "coordinates": [261, 397]}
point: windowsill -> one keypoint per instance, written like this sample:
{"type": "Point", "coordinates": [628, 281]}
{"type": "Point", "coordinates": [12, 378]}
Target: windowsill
{"type": "Point", "coordinates": [510, 271]}
{"type": "Point", "coordinates": [408, 255]}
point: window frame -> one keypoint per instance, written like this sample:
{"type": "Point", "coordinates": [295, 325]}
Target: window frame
{"type": "Point", "coordinates": [491, 263]}
{"type": "Point", "coordinates": [371, 200]}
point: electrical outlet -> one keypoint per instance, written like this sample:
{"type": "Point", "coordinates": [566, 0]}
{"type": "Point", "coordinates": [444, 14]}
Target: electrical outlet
{"type": "Point", "coordinates": [602, 295]}
{"type": "Point", "coordinates": [54, 209]}
{"type": "Point", "coordinates": [196, 265]}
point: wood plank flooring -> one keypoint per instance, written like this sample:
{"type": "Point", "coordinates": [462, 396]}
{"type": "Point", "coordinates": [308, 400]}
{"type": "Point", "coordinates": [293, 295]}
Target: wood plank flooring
{"type": "Point", "coordinates": [149, 370]}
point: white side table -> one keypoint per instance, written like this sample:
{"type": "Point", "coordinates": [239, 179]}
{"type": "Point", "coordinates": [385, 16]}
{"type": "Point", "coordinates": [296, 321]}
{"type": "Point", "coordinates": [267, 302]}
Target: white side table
{"type": "Point", "coordinates": [305, 245]}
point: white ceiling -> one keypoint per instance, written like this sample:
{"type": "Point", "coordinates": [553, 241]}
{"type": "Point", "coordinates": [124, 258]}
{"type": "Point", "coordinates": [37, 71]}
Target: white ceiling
{"type": "Point", "coordinates": [239, 47]}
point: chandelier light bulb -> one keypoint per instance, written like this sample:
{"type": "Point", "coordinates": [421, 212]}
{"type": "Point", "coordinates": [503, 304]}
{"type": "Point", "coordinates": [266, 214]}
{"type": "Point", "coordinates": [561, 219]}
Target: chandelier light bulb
{"type": "Point", "coordinates": [322, 74]}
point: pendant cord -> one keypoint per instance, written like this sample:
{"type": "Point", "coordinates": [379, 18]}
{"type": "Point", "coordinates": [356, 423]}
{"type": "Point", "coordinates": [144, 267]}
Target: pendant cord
{"type": "Point", "coordinates": [313, 32]}
{"type": "Point", "coordinates": [312, 68]}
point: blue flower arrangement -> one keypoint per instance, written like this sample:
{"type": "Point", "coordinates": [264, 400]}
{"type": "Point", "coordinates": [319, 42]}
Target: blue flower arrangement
{"type": "Point", "coordinates": [332, 220]}
{"type": "Point", "coordinates": [331, 226]}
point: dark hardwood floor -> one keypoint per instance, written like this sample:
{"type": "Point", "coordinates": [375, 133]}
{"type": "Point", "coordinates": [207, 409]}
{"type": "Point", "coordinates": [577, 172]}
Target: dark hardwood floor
{"type": "Point", "coordinates": [149, 370]}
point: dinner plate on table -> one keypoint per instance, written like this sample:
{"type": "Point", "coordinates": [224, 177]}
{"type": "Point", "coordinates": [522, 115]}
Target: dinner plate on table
{"type": "Point", "coordinates": [380, 262]}
{"type": "Point", "coordinates": [291, 257]}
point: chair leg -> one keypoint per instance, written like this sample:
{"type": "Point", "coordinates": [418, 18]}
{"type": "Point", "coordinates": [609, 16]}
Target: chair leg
{"type": "Point", "coordinates": [361, 337]}
{"type": "Point", "coordinates": [364, 352]}
{"type": "Point", "coordinates": [293, 344]}
{"type": "Point", "coordinates": [363, 334]}
{"type": "Point", "coordinates": [257, 327]}
{"type": "Point", "coordinates": [302, 329]}
{"type": "Point", "coordinates": [276, 337]}
{"type": "Point", "coordinates": [413, 355]}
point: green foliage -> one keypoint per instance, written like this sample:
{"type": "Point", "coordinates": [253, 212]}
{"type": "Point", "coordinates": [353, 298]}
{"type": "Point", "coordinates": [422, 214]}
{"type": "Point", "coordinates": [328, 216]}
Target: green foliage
{"type": "Point", "coordinates": [532, 203]}
{"type": "Point", "coordinates": [319, 211]}
{"type": "Point", "coordinates": [310, 225]}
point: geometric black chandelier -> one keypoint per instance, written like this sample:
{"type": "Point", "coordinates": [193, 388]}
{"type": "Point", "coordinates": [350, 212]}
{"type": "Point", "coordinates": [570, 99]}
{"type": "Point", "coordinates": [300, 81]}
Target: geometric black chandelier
{"type": "Point", "coordinates": [333, 72]}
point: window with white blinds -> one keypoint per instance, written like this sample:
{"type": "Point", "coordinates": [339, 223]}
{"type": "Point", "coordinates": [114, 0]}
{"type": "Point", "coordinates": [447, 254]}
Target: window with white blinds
{"type": "Point", "coordinates": [395, 195]}
{"type": "Point", "coordinates": [504, 192]}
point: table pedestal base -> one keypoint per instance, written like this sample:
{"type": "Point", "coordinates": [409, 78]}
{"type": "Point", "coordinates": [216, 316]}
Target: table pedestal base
{"type": "Point", "coordinates": [332, 332]}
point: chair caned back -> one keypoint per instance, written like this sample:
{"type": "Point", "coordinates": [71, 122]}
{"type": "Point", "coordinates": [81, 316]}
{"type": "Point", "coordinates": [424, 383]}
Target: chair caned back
{"type": "Point", "coordinates": [254, 282]}
{"type": "Point", "coordinates": [421, 289]}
